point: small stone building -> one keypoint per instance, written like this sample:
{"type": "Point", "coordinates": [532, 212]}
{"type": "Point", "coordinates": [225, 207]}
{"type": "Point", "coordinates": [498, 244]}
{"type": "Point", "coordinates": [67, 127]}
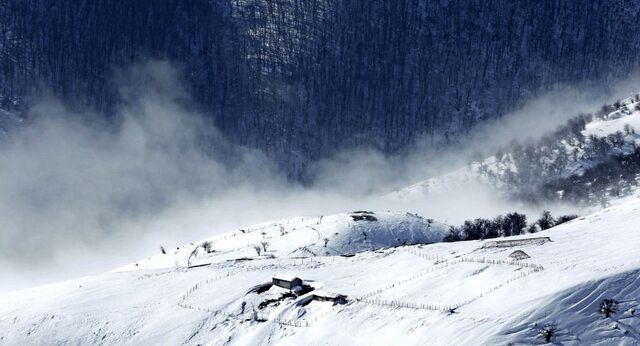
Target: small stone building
{"type": "Point", "coordinates": [286, 281]}
{"type": "Point", "coordinates": [323, 296]}
{"type": "Point", "coordinates": [519, 255]}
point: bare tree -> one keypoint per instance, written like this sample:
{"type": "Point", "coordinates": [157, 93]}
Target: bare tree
{"type": "Point", "coordinates": [207, 246]}
{"type": "Point", "coordinates": [608, 307]}
{"type": "Point", "coordinates": [548, 331]}
{"type": "Point", "coordinates": [264, 245]}
{"type": "Point", "coordinates": [258, 249]}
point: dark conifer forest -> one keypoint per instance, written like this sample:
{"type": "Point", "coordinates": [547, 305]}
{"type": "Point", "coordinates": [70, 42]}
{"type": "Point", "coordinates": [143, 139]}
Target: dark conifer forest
{"type": "Point", "coordinates": [302, 79]}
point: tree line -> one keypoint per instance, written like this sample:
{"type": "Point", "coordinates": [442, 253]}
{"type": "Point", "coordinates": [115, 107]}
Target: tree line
{"type": "Point", "coordinates": [504, 226]}
{"type": "Point", "coordinates": [566, 165]}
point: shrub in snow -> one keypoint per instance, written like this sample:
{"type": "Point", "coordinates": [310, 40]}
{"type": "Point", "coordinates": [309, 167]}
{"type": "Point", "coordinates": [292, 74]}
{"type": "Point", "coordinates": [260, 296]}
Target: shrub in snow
{"type": "Point", "coordinates": [548, 331]}
{"type": "Point", "coordinates": [565, 218]}
{"type": "Point", "coordinates": [264, 245]}
{"type": "Point", "coordinates": [164, 252]}
{"type": "Point", "coordinates": [617, 104]}
{"type": "Point", "coordinates": [207, 246]}
{"type": "Point", "coordinates": [608, 307]}
{"type": "Point", "coordinates": [258, 249]}
{"type": "Point", "coordinates": [363, 217]}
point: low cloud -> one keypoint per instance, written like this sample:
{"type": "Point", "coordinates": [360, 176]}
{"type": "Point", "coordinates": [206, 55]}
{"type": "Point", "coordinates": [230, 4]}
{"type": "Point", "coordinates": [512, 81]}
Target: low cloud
{"type": "Point", "coordinates": [79, 196]}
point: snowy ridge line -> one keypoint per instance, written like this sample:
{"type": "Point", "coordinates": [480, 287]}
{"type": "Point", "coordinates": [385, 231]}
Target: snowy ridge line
{"type": "Point", "coordinates": [274, 224]}
{"type": "Point", "coordinates": [234, 234]}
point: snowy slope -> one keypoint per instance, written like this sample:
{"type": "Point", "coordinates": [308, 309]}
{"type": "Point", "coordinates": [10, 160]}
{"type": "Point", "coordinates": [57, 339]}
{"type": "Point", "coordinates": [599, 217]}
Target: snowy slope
{"type": "Point", "coordinates": [339, 234]}
{"type": "Point", "coordinates": [615, 121]}
{"type": "Point", "coordinates": [491, 173]}
{"type": "Point", "coordinates": [461, 179]}
{"type": "Point", "coordinates": [464, 293]}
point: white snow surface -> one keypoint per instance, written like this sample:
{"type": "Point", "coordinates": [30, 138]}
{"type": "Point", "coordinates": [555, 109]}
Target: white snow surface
{"type": "Point", "coordinates": [303, 237]}
{"type": "Point", "coordinates": [439, 294]}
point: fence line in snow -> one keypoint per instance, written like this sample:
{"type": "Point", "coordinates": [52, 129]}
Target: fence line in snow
{"type": "Point", "coordinates": [485, 260]}
{"type": "Point", "coordinates": [436, 307]}
{"type": "Point", "coordinates": [440, 263]}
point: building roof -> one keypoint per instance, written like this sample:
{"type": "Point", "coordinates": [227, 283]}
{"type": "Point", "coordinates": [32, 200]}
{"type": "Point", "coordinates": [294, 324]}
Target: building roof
{"type": "Point", "coordinates": [285, 277]}
{"type": "Point", "coordinates": [321, 293]}
{"type": "Point", "coordinates": [519, 254]}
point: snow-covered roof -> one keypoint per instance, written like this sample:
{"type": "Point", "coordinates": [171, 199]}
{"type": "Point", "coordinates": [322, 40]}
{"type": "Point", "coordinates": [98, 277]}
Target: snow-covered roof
{"type": "Point", "coordinates": [285, 277]}
{"type": "Point", "coordinates": [519, 254]}
{"type": "Point", "coordinates": [326, 294]}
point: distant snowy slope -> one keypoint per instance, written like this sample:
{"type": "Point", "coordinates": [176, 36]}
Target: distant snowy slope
{"type": "Point", "coordinates": [460, 179]}
{"type": "Point", "coordinates": [592, 159]}
{"type": "Point", "coordinates": [464, 293]}
{"type": "Point", "coordinates": [339, 234]}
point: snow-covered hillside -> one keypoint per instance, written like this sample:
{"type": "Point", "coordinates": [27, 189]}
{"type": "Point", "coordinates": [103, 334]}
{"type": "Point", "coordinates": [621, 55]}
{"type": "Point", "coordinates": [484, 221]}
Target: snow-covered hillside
{"type": "Point", "coordinates": [464, 293]}
{"type": "Point", "coordinates": [566, 165]}
{"type": "Point", "coordinates": [339, 234]}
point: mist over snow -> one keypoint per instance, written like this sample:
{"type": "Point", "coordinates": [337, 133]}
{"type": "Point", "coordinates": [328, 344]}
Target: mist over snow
{"type": "Point", "coordinates": [78, 195]}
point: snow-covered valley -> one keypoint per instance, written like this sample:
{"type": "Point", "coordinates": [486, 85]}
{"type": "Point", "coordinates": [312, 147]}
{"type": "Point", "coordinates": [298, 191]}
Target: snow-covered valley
{"type": "Point", "coordinates": [458, 293]}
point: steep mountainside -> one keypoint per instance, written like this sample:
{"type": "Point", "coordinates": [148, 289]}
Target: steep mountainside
{"type": "Point", "coordinates": [464, 293]}
{"type": "Point", "coordinates": [593, 159]}
{"type": "Point", "coordinates": [302, 79]}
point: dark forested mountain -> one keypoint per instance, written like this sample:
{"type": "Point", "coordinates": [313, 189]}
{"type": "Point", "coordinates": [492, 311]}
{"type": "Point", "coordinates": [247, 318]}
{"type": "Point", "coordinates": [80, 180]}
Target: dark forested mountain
{"type": "Point", "coordinates": [301, 79]}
